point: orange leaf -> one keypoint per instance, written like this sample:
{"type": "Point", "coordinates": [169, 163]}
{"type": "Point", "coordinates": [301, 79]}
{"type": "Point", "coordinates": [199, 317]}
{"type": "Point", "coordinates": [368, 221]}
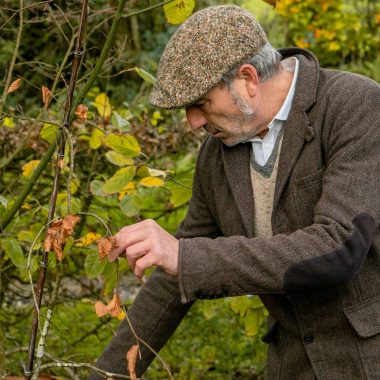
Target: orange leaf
{"type": "Point", "coordinates": [100, 309]}
{"type": "Point", "coordinates": [61, 163]}
{"type": "Point", "coordinates": [46, 96]}
{"type": "Point", "coordinates": [81, 111]}
{"type": "Point", "coordinates": [69, 222]}
{"type": "Point", "coordinates": [113, 306]}
{"type": "Point", "coordinates": [132, 359]}
{"type": "Point", "coordinates": [14, 85]}
{"type": "Point", "coordinates": [57, 234]}
{"type": "Point", "coordinates": [105, 245]}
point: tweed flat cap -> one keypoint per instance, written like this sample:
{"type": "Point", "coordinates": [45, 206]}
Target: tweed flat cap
{"type": "Point", "coordinates": [204, 48]}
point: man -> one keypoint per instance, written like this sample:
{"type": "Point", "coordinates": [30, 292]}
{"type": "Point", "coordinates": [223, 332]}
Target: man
{"type": "Point", "coordinates": [285, 202]}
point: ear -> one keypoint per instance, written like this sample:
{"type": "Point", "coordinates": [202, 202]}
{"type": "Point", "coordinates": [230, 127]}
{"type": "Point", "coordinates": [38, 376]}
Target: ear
{"type": "Point", "coordinates": [249, 74]}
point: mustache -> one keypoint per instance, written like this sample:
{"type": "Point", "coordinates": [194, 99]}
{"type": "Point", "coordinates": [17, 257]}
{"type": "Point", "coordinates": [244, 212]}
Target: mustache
{"type": "Point", "coordinates": [210, 128]}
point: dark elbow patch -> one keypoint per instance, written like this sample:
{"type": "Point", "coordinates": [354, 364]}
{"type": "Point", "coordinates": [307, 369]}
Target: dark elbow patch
{"type": "Point", "coordinates": [336, 267]}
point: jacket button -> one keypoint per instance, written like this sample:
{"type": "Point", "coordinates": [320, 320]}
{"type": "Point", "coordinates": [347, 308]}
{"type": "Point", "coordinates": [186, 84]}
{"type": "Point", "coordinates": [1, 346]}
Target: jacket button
{"type": "Point", "coordinates": [308, 339]}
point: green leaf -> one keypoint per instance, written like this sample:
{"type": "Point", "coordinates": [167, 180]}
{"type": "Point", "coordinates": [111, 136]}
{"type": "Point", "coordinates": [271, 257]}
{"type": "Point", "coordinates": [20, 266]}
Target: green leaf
{"type": "Point", "coordinates": [49, 132]}
{"type": "Point", "coordinates": [96, 138]}
{"type": "Point", "coordinates": [180, 194]}
{"type": "Point", "coordinates": [119, 122]}
{"type": "Point", "coordinates": [252, 322]}
{"type": "Point", "coordinates": [92, 265]}
{"type": "Point", "coordinates": [130, 205]}
{"type": "Point", "coordinates": [126, 145]}
{"type": "Point", "coordinates": [178, 11]}
{"type": "Point", "coordinates": [239, 305]}
{"type": "Point", "coordinates": [62, 208]}
{"type": "Point", "coordinates": [145, 75]}
{"type": "Point", "coordinates": [118, 159]}
{"type": "Point", "coordinates": [13, 250]}
{"type": "Point", "coordinates": [119, 180]}
{"type": "Point", "coordinates": [96, 188]}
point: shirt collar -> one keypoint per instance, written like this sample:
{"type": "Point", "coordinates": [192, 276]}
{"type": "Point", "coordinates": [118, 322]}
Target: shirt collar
{"type": "Point", "coordinates": [283, 113]}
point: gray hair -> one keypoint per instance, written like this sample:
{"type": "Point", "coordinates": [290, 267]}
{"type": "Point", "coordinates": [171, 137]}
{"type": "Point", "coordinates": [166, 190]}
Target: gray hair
{"type": "Point", "coordinates": [266, 62]}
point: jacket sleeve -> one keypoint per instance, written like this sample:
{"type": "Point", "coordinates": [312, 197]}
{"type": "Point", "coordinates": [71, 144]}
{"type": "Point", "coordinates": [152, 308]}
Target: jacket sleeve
{"type": "Point", "coordinates": [329, 252]}
{"type": "Point", "coordinates": [157, 310]}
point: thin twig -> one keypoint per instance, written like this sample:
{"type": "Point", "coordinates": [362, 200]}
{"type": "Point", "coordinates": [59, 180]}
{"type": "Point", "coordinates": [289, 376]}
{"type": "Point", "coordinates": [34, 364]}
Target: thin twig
{"type": "Point", "coordinates": [14, 57]}
{"type": "Point", "coordinates": [148, 346]}
{"type": "Point", "coordinates": [41, 343]}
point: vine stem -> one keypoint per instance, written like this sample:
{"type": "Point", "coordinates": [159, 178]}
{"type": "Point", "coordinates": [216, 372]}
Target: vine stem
{"type": "Point", "coordinates": [14, 57]}
{"type": "Point", "coordinates": [61, 153]}
{"type": "Point", "coordinates": [45, 329]}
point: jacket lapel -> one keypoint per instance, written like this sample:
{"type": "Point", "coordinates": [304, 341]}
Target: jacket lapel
{"type": "Point", "coordinates": [236, 161]}
{"type": "Point", "coordinates": [297, 130]}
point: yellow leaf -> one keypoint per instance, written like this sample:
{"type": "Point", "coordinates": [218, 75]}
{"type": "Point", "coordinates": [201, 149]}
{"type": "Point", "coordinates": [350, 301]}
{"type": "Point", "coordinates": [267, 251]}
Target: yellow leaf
{"type": "Point", "coordinates": [103, 105]}
{"type": "Point", "coordinates": [87, 239]}
{"type": "Point", "coordinates": [96, 138]}
{"type": "Point", "coordinates": [121, 316]}
{"type": "Point", "coordinates": [157, 173]}
{"type": "Point", "coordinates": [9, 122]}
{"type": "Point", "coordinates": [130, 189]}
{"type": "Point", "coordinates": [152, 182]}
{"type": "Point", "coordinates": [29, 167]}
{"type": "Point", "coordinates": [178, 11]}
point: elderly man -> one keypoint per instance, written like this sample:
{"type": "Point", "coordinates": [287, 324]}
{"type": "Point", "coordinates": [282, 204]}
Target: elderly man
{"type": "Point", "coordinates": [285, 202]}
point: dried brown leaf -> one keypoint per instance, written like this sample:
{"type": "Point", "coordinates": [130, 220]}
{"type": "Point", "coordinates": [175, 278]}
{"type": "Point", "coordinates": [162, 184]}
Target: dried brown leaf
{"type": "Point", "coordinates": [61, 163]}
{"type": "Point", "coordinates": [81, 112]}
{"type": "Point", "coordinates": [14, 85]}
{"type": "Point", "coordinates": [46, 96]}
{"type": "Point", "coordinates": [57, 234]}
{"type": "Point", "coordinates": [105, 245]}
{"type": "Point", "coordinates": [100, 309]}
{"type": "Point", "coordinates": [132, 356]}
{"type": "Point", "coordinates": [114, 306]}
{"type": "Point", "coordinates": [69, 222]}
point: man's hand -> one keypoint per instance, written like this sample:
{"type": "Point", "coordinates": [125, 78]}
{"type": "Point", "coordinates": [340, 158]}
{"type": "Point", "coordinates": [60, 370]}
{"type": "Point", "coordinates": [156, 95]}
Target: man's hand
{"type": "Point", "coordinates": [146, 244]}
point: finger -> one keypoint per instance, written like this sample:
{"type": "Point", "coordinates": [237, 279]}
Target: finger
{"type": "Point", "coordinates": [143, 263]}
{"type": "Point", "coordinates": [138, 249]}
{"type": "Point", "coordinates": [115, 253]}
{"type": "Point", "coordinates": [125, 239]}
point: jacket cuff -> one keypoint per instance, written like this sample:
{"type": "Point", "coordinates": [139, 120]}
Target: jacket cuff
{"type": "Point", "coordinates": [184, 298]}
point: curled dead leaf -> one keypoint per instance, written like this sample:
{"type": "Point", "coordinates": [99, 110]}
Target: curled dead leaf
{"type": "Point", "coordinates": [81, 112]}
{"type": "Point", "coordinates": [100, 309]}
{"type": "Point", "coordinates": [58, 233]}
{"type": "Point", "coordinates": [105, 246]}
{"type": "Point", "coordinates": [14, 85]}
{"type": "Point", "coordinates": [114, 306]}
{"type": "Point", "coordinates": [46, 96]}
{"type": "Point", "coordinates": [132, 356]}
{"type": "Point", "coordinates": [69, 222]}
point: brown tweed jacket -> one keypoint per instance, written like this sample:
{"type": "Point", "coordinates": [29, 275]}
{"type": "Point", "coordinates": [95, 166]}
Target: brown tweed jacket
{"type": "Point", "coordinates": [319, 276]}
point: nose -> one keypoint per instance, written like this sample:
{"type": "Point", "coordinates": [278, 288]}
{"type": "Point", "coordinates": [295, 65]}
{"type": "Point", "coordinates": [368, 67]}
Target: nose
{"type": "Point", "coordinates": [195, 117]}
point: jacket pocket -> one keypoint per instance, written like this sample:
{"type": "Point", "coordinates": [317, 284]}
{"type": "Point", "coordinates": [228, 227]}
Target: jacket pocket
{"type": "Point", "coordinates": [365, 320]}
{"type": "Point", "coordinates": [306, 192]}
{"type": "Point", "coordinates": [365, 317]}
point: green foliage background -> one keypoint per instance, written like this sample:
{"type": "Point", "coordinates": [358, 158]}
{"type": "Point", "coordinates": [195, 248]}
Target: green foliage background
{"type": "Point", "coordinates": [218, 339]}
